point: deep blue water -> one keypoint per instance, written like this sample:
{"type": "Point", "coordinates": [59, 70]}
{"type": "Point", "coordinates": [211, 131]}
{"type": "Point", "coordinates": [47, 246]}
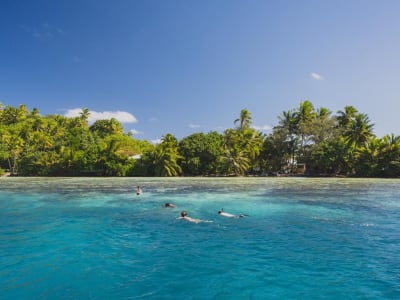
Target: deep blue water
{"type": "Point", "coordinates": [93, 238]}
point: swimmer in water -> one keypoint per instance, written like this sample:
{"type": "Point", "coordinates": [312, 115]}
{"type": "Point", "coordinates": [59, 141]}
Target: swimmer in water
{"type": "Point", "coordinates": [184, 216]}
{"type": "Point", "coordinates": [228, 215]}
{"type": "Point", "coordinates": [139, 190]}
{"type": "Point", "coordinates": [169, 205]}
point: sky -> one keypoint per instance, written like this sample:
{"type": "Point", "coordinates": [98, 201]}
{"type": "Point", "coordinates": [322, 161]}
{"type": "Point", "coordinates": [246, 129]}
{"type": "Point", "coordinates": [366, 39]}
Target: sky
{"type": "Point", "coordinates": [181, 67]}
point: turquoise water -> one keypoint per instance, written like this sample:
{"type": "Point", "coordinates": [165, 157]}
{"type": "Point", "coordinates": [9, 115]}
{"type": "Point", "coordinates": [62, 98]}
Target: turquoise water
{"type": "Point", "coordinates": [93, 238]}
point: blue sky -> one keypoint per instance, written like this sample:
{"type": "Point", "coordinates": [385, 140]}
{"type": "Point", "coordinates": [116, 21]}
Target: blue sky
{"type": "Point", "coordinates": [190, 66]}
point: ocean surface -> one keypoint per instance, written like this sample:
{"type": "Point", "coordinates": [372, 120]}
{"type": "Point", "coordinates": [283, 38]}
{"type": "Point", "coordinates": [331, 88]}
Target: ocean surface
{"type": "Point", "coordinates": [302, 238]}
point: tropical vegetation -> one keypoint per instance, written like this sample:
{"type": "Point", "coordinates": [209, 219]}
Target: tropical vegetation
{"type": "Point", "coordinates": [307, 140]}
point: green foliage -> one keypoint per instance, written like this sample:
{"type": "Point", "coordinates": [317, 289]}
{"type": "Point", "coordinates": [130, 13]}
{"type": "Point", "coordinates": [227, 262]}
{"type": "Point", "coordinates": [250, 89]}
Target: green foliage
{"type": "Point", "coordinates": [244, 121]}
{"type": "Point", "coordinates": [242, 148]}
{"type": "Point", "coordinates": [379, 158]}
{"type": "Point", "coordinates": [106, 127]}
{"type": "Point", "coordinates": [200, 153]}
{"type": "Point", "coordinates": [163, 159]}
{"type": "Point", "coordinates": [330, 157]}
{"type": "Point", "coordinates": [359, 131]}
{"type": "Point", "coordinates": [275, 151]}
{"type": "Point", "coordinates": [32, 145]}
{"type": "Point", "coordinates": [53, 145]}
{"type": "Point", "coordinates": [12, 115]}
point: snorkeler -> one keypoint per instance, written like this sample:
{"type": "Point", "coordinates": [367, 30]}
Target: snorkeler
{"type": "Point", "coordinates": [184, 216]}
{"type": "Point", "coordinates": [139, 190]}
{"type": "Point", "coordinates": [169, 205]}
{"type": "Point", "coordinates": [228, 215]}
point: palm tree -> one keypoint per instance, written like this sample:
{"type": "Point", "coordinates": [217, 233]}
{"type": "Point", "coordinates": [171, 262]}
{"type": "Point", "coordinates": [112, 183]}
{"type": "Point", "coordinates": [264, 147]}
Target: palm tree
{"type": "Point", "coordinates": [166, 156]}
{"type": "Point", "coordinates": [359, 131]}
{"type": "Point", "coordinates": [236, 159]}
{"type": "Point", "coordinates": [289, 127]}
{"type": "Point", "coordinates": [84, 116]}
{"type": "Point", "coordinates": [12, 115]}
{"type": "Point", "coordinates": [12, 145]}
{"type": "Point", "coordinates": [107, 127]}
{"type": "Point", "coordinates": [244, 120]}
{"type": "Point", "coordinates": [252, 142]}
{"type": "Point", "coordinates": [323, 126]}
{"type": "Point", "coordinates": [306, 112]}
{"type": "Point", "coordinates": [346, 117]}
{"type": "Point", "coordinates": [287, 119]}
{"type": "Point", "coordinates": [367, 158]}
{"type": "Point", "coordinates": [165, 162]}
{"type": "Point", "coordinates": [235, 162]}
{"type": "Point", "coordinates": [305, 117]}
{"type": "Point", "coordinates": [390, 156]}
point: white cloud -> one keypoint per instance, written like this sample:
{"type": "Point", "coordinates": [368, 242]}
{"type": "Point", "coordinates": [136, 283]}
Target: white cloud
{"type": "Point", "coordinates": [72, 113]}
{"type": "Point", "coordinates": [153, 119]}
{"type": "Point", "coordinates": [263, 128]}
{"type": "Point", "coordinates": [135, 132]}
{"type": "Point", "coordinates": [121, 116]}
{"type": "Point", "coordinates": [194, 126]}
{"type": "Point", "coordinates": [157, 141]}
{"type": "Point", "coordinates": [316, 76]}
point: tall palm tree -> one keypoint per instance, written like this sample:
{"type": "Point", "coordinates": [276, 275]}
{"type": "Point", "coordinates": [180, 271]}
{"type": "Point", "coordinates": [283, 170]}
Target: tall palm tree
{"type": "Point", "coordinates": [244, 121]}
{"type": "Point", "coordinates": [367, 158]}
{"type": "Point", "coordinates": [346, 117]}
{"type": "Point", "coordinates": [12, 145]}
{"type": "Point", "coordinates": [235, 162]}
{"type": "Point", "coordinates": [166, 156]}
{"type": "Point", "coordinates": [289, 126]}
{"type": "Point", "coordinates": [84, 116]}
{"type": "Point", "coordinates": [323, 126]}
{"type": "Point", "coordinates": [359, 131]}
{"type": "Point", "coordinates": [107, 127]}
{"type": "Point", "coordinates": [165, 162]}
{"type": "Point", "coordinates": [390, 155]}
{"type": "Point", "coordinates": [305, 117]}
{"type": "Point", "coordinates": [287, 119]}
{"type": "Point", "coordinates": [241, 148]}
{"type": "Point", "coordinates": [305, 112]}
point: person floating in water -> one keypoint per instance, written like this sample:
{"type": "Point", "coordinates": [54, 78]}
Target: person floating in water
{"type": "Point", "coordinates": [139, 190]}
{"type": "Point", "coordinates": [228, 215]}
{"type": "Point", "coordinates": [184, 216]}
{"type": "Point", "coordinates": [169, 205]}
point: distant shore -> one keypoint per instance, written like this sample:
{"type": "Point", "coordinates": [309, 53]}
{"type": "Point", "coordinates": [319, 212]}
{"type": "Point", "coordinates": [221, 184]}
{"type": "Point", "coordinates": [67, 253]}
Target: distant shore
{"type": "Point", "coordinates": [8, 174]}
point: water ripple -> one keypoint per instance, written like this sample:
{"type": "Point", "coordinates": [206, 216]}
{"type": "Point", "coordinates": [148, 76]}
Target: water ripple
{"type": "Point", "coordinates": [68, 238]}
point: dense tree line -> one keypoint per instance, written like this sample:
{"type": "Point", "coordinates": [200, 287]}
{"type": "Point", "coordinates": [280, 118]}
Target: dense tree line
{"type": "Point", "coordinates": [326, 144]}
{"type": "Point", "coordinates": [32, 145]}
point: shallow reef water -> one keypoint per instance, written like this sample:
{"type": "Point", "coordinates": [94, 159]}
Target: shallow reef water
{"type": "Point", "coordinates": [301, 238]}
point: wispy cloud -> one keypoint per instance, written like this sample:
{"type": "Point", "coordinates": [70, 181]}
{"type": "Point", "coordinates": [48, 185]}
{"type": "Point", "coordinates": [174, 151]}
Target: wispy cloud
{"type": "Point", "coordinates": [121, 116]}
{"type": "Point", "coordinates": [155, 142]}
{"type": "Point", "coordinates": [77, 59]}
{"type": "Point", "coordinates": [135, 132]}
{"type": "Point", "coordinates": [153, 119]}
{"type": "Point", "coordinates": [194, 126]}
{"type": "Point", "coordinates": [316, 76]}
{"type": "Point", "coordinates": [263, 128]}
{"type": "Point", "coordinates": [44, 30]}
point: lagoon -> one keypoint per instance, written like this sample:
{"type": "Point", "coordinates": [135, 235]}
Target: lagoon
{"type": "Point", "coordinates": [304, 238]}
